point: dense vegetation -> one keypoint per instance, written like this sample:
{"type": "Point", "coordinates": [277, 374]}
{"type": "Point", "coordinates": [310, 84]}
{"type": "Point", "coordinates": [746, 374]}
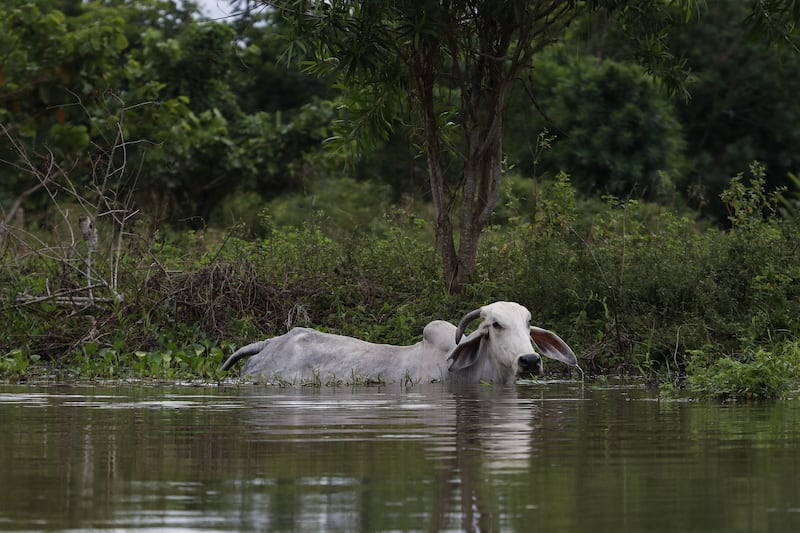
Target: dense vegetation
{"type": "Point", "coordinates": [166, 195]}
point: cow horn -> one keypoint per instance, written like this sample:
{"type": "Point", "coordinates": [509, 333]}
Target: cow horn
{"type": "Point", "coordinates": [469, 317]}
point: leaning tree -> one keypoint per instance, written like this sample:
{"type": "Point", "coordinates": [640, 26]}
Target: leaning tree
{"type": "Point", "coordinates": [443, 68]}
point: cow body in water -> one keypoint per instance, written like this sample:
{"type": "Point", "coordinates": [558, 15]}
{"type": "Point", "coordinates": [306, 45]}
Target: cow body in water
{"type": "Point", "coordinates": [498, 351]}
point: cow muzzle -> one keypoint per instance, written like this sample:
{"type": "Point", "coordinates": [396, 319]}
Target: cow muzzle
{"type": "Point", "coordinates": [529, 364]}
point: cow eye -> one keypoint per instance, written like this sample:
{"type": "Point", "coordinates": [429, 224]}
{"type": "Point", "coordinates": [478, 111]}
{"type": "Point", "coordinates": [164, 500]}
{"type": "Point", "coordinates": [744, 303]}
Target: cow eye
{"type": "Point", "coordinates": [497, 325]}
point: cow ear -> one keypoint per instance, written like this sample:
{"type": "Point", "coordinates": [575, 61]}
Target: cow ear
{"type": "Point", "coordinates": [467, 353]}
{"type": "Point", "coordinates": [552, 346]}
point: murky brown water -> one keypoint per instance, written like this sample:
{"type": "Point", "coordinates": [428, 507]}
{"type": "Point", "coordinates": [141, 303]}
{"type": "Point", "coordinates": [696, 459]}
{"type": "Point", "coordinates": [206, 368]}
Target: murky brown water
{"type": "Point", "coordinates": [544, 457]}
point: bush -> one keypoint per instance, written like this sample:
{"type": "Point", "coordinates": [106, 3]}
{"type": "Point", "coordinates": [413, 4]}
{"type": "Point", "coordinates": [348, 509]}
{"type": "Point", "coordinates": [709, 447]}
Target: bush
{"type": "Point", "coordinates": [637, 286]}
{"type": "Point", "coordinates": [757, 374]}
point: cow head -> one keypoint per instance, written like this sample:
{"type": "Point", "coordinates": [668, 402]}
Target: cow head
{"type": "Point", "coordinates": [502, 347]}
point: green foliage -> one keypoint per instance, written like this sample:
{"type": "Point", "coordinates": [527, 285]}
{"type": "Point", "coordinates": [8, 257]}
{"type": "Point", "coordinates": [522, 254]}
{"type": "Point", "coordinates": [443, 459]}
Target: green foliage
{"type": "Point", "coordinates": [14, 364]}
{"type": "Point", "coordinates": [743, 103]}
{"type": "Point", "coordinates": [48, 64]}
{"type": "Point", "coordinates": [138, 114]}
{"type": "Point", "coordinates": [347, 206]}
{"type": "Point", "coordinates": [614, 130]}
{"type": "Point", "coordinates": [176, 357]}
{"type": "Point", "coordinates": [638, 284]}
{"type": "Point", "coordinates": [749, 204]}
{"type": "Point", "coordinates": [195, 63]}
{"type": "Point", "coordinates": [150, 88]}
{"type": "Point", "coordinates": [790, 200]}
{"type": "Point", "coordinates": [757, 374]}
{"type": "Point", "coordinates": [429, 70]}
{"type": "Point", "coordinates": [633, 288]}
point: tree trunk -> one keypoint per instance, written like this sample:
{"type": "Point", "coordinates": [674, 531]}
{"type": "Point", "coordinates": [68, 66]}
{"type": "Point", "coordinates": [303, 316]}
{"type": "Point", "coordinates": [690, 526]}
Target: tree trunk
{"type": "Point", "coordinates": [445, 241]}
{"type": "Point", "coordinates": [482, 66]}
{"type": "Point", "coordinates": [483, 103]}
{"type": "Point", "coordinates": [481, 178]}
{"type": "Point", "coordinates": [482, 175]}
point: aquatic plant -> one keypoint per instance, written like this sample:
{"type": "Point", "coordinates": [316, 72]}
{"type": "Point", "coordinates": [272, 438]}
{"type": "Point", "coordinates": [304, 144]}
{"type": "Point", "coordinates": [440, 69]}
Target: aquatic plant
{"type": "Point", "coordinates": [14, 364]}
{"type": "Point", "coordinates": [755, 374]}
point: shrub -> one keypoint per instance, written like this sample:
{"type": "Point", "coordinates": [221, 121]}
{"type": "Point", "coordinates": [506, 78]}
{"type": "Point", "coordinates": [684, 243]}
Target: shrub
{"type": "Point", "coordinates": [636, 286]}
{"type": "Point", "coordinates": [757, 374]}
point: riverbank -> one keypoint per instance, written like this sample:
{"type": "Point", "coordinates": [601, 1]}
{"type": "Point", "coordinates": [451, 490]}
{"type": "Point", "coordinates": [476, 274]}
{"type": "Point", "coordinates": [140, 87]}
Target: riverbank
{"type": "Point", "coordinates": [634, 290]}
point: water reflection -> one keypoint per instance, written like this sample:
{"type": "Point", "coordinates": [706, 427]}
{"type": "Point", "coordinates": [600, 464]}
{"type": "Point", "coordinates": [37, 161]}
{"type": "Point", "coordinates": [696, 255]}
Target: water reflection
{"type": "Point", "coordinates": [393, 452]}
{"type": "Point", "coordinates": [551, 456]}
{"type": "Point", "coordinates": [491, 432]}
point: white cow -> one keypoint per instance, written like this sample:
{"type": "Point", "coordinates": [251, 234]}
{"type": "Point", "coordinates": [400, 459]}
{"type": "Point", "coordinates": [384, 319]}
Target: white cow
{"type": "Point", "coordinates": [499, 350]}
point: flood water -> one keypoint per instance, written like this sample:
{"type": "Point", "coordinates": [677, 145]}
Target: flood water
{"type": "Point", "coordinates": [540, 457]}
